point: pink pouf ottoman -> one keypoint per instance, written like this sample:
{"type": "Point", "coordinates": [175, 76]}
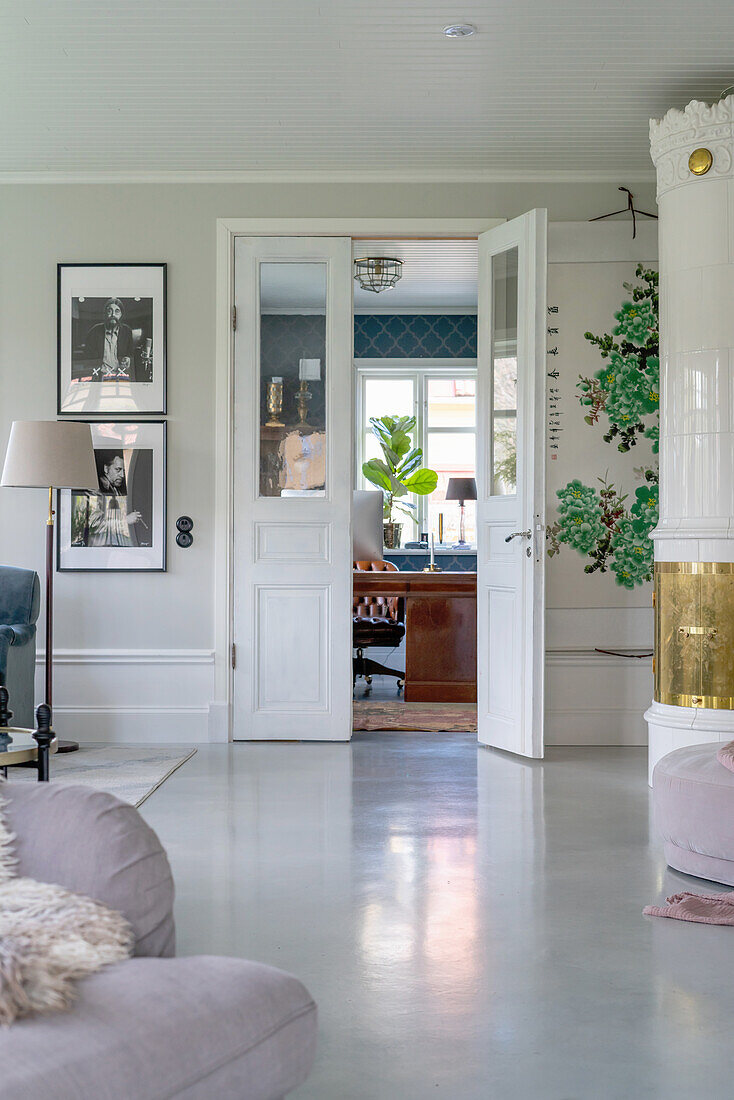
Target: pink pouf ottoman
{"type": "Point", "coordinates": [693, 796]}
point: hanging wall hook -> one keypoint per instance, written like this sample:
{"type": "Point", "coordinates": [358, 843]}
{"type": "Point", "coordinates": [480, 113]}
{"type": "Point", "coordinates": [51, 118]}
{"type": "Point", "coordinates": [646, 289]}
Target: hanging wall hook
{"type": "Point", "coordinates": [630, 208]}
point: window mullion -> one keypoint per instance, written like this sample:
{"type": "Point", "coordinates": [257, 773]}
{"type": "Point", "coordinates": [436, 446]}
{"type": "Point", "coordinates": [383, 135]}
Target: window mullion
{"type": "Point", "coordinates": [422, 385]}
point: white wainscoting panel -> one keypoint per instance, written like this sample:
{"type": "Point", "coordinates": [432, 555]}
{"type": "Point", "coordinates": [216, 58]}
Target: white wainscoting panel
{"type": "Point", "coordinates": [498, 550]}
{"type": "Point", "coordinates": [293, 542]}
{"type": "Point", "coordinates": [133, 696]}
{"type": "Point", "coordinates": [292, 648]}
{"type": "Point", "coordinates": [503, 651]}
{"type": "Point", "coordinates": [596, 699]}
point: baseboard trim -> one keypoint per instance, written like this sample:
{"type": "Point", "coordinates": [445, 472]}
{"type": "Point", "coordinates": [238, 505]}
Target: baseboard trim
{"type": "Point", "coordinates": [599, 726]}
{"type": "Point", "coordinates": [187, 725]}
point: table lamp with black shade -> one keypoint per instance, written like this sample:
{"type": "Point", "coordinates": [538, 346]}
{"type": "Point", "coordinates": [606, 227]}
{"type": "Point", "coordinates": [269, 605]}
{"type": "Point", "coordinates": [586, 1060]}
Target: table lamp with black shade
{"type": "Point", "coordinates": [461, 489]}
{"type": "Point", "coordinates": [50, 454]}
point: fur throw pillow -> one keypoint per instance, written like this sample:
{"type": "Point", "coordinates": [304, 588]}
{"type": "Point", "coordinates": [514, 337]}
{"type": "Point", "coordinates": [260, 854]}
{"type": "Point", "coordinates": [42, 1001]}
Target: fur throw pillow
{"type": "Point", "coordinates": [49, 938]}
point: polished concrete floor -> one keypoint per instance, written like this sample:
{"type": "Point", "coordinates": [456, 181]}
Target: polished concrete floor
{"type": "Point", "coordinates": [469, 923]}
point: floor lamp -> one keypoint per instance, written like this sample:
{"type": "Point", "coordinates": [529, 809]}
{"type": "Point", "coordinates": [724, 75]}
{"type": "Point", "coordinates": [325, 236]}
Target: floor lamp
{"type": "Point", "coordinates": [50, 454]}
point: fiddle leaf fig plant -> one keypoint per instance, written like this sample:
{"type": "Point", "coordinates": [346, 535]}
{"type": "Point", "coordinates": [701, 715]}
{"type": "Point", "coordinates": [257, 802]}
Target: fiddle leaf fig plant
{"type": "Point", "coordinates": [401, 469]}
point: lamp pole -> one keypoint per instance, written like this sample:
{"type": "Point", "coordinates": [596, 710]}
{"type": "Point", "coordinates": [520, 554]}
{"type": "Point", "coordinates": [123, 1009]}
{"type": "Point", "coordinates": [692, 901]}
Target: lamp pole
{"type": "Point", "coordinates": [50, 601]}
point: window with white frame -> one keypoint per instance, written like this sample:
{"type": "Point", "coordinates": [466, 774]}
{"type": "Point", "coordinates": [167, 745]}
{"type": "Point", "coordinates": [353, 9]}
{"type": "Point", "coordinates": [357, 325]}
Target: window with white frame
{"type": "Point", "coordinates": [442, 397]}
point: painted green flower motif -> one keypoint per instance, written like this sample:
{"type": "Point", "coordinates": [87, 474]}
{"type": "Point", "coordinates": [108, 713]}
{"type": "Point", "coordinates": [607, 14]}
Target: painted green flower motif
{"type": "Point", "coordinates": [607, 376]}
{"type": "Point", "coordinates": [644, 512]}
{"type": "Point", "coordinates": [580, 513]}
{"type": "Point", "coordinates": [576, 493]}
{"type": "Point", "coordinates": [653, 433]}
{"type": "Point", "coordinates": [633, 393]}
{"type": "Point", "coordinates": [632, 555]}
{"type": "Point", "coordinates": [637, 321]}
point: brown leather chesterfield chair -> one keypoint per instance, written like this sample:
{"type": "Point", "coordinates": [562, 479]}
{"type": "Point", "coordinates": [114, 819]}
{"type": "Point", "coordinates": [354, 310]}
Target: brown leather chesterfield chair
{"type": "Point", "coordinates": [376, 621]}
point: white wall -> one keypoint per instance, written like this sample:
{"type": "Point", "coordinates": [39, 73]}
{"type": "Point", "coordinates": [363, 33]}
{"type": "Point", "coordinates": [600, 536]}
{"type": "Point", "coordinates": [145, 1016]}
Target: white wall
{"type": "Point", "coordinates": [136, 651]}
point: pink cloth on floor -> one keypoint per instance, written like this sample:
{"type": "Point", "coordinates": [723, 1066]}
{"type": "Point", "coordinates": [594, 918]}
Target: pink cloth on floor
{"type": "Point", "coordinates": [702, 908]}
{"type": "Point", "coordinates": [725, 755]}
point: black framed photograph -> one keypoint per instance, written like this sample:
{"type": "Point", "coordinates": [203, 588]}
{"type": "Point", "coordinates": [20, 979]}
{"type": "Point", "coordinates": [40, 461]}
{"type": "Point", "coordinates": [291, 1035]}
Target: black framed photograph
{"type": "Point", "coordinates": [111, 339]}
{"type": "Point", "coordinates": [122, 527]}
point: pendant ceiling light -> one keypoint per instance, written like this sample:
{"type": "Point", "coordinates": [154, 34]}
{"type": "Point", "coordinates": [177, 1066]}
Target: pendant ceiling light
{"type": "Point", "coordinates": [377, 273]}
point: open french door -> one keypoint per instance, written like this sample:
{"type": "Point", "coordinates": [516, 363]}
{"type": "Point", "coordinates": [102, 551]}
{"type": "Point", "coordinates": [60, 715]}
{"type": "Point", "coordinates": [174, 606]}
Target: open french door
{"type": "Point", "coordinates": [511, 484]}
{"type": "Point", "coordinates": [293, 489]}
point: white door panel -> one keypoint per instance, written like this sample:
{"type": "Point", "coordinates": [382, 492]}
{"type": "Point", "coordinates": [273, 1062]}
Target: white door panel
{"type": "Point", "coordinates": [511, 484]}
{"type": "Point", "coordinates": [292, 552]}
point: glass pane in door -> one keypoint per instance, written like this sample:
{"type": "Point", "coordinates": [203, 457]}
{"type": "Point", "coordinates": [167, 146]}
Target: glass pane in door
{"type": "Point", "coordinates": [293, 366]}
{"type": "Point", "coordinates": [504, 373]}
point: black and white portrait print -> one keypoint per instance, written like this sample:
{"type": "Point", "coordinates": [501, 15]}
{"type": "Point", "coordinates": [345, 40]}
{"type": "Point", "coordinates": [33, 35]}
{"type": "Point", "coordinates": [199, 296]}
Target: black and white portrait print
{"type": "Point", "coordinates": [121, 526]}
{"type": "Point", "coordinates": [111, 339]}
{"type": "Point", "coordinates": [121, 513]}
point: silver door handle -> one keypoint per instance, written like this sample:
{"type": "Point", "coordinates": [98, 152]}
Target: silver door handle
{"type": "Point", "coordinates": [519, 535]}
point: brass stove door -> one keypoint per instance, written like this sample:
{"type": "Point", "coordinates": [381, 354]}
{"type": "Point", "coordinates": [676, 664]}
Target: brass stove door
{"type": "Point", "coordinates": [694, 634]}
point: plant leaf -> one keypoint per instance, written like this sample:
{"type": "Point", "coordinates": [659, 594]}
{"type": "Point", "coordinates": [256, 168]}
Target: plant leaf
{"type": "Point", "coordinates": [376, 472]}
{"type": "Point", "coordinates": [379, 430]}
{"type": "Point", "coordinates": [422, 482]}
{"type": "Point", "coordinates": [410, 463]}
{"type": "Point", "coordinates": [400, 443]}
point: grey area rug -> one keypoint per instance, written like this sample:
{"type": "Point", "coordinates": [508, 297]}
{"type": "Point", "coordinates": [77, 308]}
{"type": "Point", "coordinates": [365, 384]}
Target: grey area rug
{"type": "Point", "coordinates": [129, 772]}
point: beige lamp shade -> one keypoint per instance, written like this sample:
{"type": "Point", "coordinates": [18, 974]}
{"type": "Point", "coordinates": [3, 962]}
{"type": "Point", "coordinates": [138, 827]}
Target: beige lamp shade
{"type": "Point", "coordinates": [50, 454]}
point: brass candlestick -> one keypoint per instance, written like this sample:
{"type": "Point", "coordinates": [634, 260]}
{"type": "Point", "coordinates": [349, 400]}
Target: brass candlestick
{"type": "Point", "coordinates": [275, 403]}
{"type": "Point", "coordinates": [432, 567]}
{"type": "Point", "coordinates": [303, 396]}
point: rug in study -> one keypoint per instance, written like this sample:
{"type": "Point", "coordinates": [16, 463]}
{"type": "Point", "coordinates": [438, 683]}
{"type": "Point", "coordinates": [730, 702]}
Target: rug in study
{"type": "Point", "coordinates": [428, 717]}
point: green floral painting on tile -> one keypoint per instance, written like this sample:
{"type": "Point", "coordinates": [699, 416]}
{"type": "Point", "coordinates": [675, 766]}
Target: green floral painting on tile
{"type": "Point", "coordinates": [602, 523]}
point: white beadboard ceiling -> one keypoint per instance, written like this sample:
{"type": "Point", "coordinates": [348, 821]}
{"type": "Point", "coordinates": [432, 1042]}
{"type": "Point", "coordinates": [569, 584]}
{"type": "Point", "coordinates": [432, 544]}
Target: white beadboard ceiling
{"type": "Point", "coordinates": [350, 86]}
{"type": "Point", "coordinates": [438, 277]}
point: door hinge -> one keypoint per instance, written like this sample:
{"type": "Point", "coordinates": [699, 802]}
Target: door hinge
{"type": "Point", "coordinates": [234, 318]}
{"type": "Point", "coordinates": [234, 655]}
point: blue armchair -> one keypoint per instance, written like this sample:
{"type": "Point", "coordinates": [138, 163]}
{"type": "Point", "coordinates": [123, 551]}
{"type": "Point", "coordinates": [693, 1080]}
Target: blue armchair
{"type": "Point", "coordinates": [20, 601]}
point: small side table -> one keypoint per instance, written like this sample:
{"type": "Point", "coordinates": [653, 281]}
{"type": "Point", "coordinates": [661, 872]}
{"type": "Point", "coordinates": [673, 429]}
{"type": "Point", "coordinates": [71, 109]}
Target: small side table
{"type": "Point", "coordinates": [24, 749]}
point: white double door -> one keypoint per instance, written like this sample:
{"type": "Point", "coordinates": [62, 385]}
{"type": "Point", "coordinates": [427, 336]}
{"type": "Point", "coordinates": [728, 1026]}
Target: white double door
{"type": "Point", "coordinates": [292, 570]}
{"type": "Point", "coordinates": [292, 501]}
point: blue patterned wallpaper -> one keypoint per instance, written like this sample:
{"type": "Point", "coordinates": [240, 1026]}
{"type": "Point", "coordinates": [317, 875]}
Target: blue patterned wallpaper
{"type": "Point", "coordinates": [415, 336]}
{"type": "Point", "coordinates": [450, 563]}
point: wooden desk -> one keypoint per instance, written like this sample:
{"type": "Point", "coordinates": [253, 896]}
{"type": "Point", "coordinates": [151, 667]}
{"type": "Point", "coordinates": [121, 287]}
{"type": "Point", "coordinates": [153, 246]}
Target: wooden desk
{"type": "Point", "coordinates": [440, 631]}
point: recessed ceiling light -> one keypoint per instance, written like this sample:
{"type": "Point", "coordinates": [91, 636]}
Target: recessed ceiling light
{"type": "Point", "coordinates": [459, 30]}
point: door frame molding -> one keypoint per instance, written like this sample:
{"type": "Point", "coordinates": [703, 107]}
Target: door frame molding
{"type": "Point", "coordinates": [221, 711]}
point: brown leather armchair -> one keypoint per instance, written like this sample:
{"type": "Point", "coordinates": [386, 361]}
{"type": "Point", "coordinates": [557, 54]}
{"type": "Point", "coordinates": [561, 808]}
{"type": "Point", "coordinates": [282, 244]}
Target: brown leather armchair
{"type": "Point", "coordinates": [376, 621]}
